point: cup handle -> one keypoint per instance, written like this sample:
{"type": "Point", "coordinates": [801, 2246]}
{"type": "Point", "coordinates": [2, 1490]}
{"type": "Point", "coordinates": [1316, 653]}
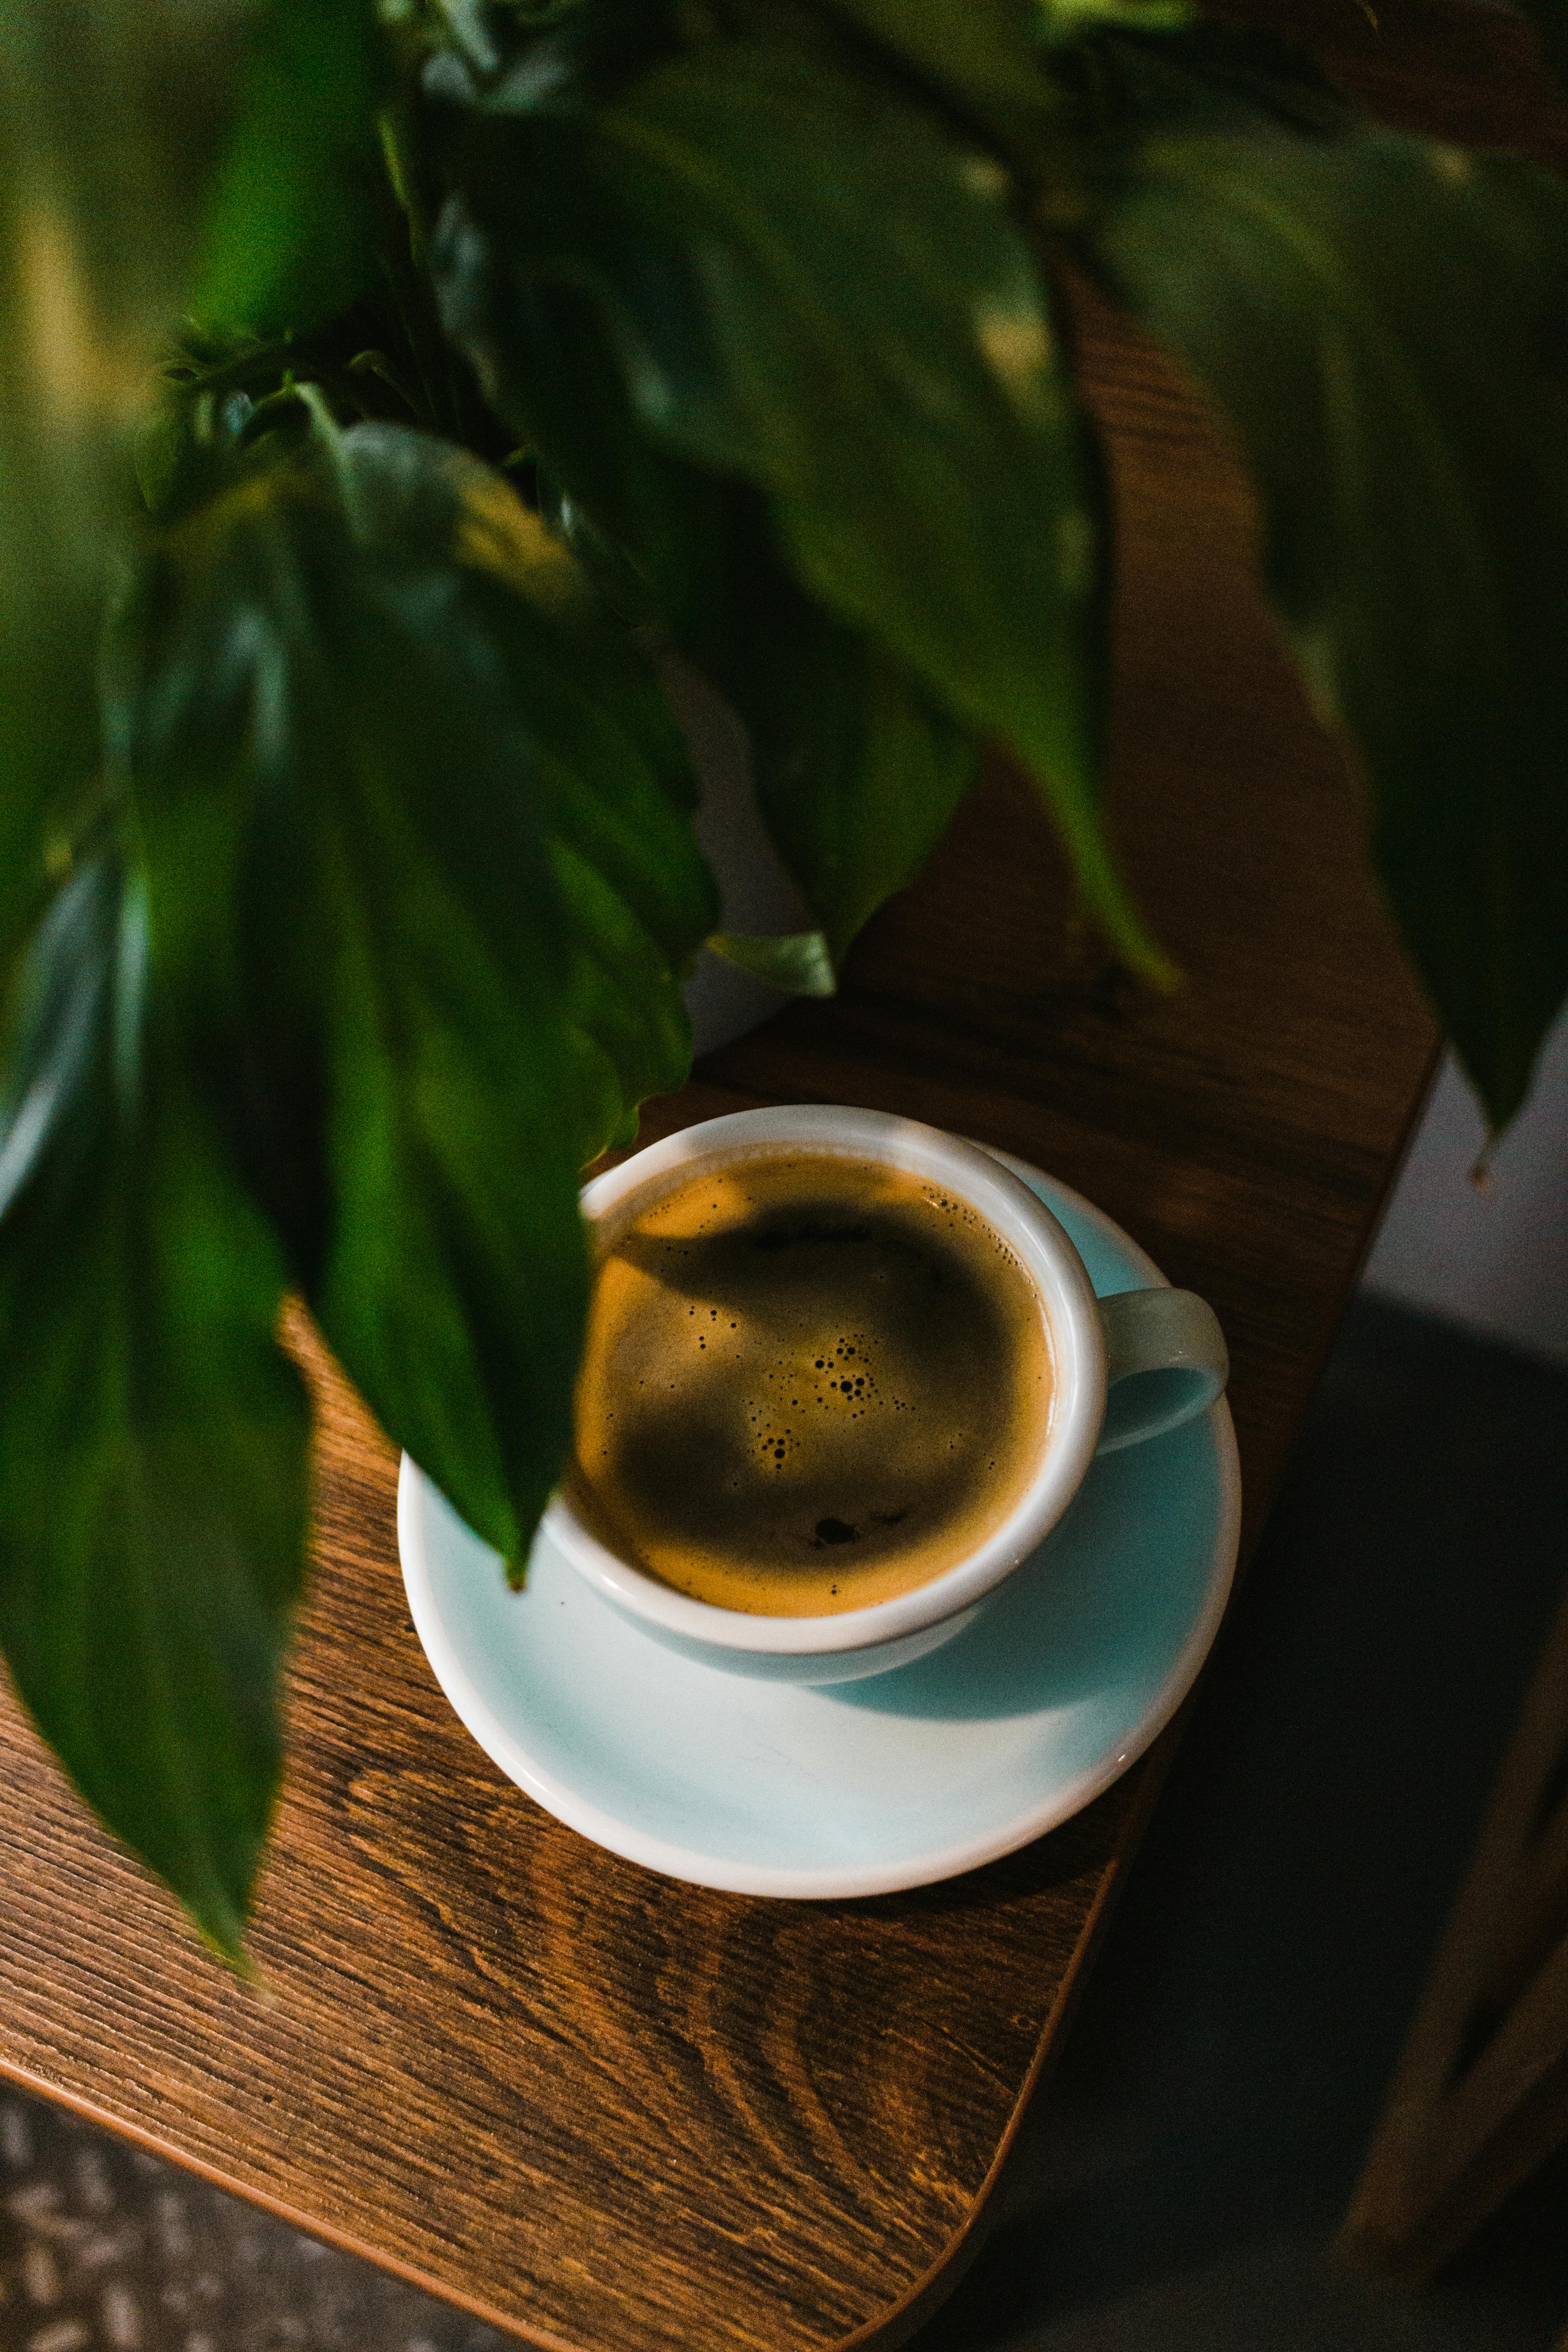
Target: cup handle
{"type": "Point", "coordinates": [1165, 1360]}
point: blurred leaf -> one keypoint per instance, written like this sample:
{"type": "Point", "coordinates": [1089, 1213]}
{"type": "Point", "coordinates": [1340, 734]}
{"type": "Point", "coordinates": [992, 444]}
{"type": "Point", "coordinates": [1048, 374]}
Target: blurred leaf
{"type": "Point", "coordinates": [1550, 19]}
{"type": "Point", "coordinates": [984, 48]}
{"type": "Point", "coordinates": [797, 962]}
{"type": "Point", "coordinates": [1381, 321]}
{"type": "Point", "coordinates": [870, 344]}
{"type": "Point", "coordinates": [582, 53]}
{"type": "Point", "coordinates": [1198, 78]}
{"type": "Point", "coordinates": [107, 119]}
{"type": "Point", "coordinates": [152, 1439]}
{"type": "Point", "coordinates": [1068, 20]}
{"type": "Point", "coordinates": [423, 867]}
{"type": "Point", "coordinates": [53, 502]}
{"type": "Point", "coordinates": [468, 25]}
{"type": "Point", "coordinates": [51, 600]}
{"type": "Point", "coordinates": [981, 55]}
{"type": "Point", "coordinates": [291, 223]}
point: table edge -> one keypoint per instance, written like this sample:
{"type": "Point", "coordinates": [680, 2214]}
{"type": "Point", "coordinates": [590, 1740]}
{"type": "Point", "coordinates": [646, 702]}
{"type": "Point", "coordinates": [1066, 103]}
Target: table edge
{"type": "Point", "coordinates": [121, 2128]}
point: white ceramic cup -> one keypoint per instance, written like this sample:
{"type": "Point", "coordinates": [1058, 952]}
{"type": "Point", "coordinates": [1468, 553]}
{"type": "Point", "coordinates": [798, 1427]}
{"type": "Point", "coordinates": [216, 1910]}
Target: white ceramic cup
{"type": "Point", "coordinates": [1124, 1369]}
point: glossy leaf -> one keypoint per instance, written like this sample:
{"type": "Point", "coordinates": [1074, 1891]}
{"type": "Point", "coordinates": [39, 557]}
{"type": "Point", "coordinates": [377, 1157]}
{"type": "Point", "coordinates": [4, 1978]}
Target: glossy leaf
{"type": "Point", "coordinates": [289, 227]}
{"type": "Point", "coordinates": [866, 340]}
{"type": "Point", "coordinates": [610, 779]}
{"type": "Point", "coordinates": [421, 855]}
{"type": "Point", "coordinates": [581, 54]}
{"type": "Point", "coordinates": [1200, 78]}
{"type": "Point", "coordinates": [856, 771]}
{"type": "Point", "coordinates": [798, 962]}
{"type": "Point", "coordinates": [1377, 318]}
{"type": "Point", "coordinates": [1069, 20]}
{"type": "Point", "coordinates": [152, 1438]}
{"type": "Point", "coordinates": [980, 58]}
{"type": "Point", "coordinates": [647, 525]}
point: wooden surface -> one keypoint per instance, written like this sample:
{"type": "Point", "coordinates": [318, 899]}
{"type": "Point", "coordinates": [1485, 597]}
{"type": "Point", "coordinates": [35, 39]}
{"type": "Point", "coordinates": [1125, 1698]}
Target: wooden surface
{"type": "Point", "coordinates": [613, 2113]}
{"type": "Point", "coordinates": [1480, 2094]}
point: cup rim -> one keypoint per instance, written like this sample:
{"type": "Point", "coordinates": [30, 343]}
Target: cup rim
{"type": "Point", "coordinates": [1077, 1361]}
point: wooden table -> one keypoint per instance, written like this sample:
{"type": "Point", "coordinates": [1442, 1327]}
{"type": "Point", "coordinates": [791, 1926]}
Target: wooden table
{"type": "Point", "coordinates": [611, 2112]}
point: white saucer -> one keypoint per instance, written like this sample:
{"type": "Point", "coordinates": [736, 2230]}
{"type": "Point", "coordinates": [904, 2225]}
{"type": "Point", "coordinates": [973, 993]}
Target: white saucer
{"type": "Point", "coordinates": [769, 1788]}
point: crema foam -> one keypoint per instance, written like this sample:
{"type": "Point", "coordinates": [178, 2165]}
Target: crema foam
{"type": "Point", "coordinates": [811, 1382]}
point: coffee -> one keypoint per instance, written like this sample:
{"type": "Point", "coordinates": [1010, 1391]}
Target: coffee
{"type": "Point", "coordinates": [811, 1382]}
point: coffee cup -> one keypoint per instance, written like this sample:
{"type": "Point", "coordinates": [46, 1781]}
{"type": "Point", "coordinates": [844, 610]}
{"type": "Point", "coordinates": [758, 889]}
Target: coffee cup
{"type": "Point", "coordinates": [1043, 1375]}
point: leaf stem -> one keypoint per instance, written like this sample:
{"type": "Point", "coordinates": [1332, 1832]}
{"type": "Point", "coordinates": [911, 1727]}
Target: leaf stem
{"type": "Point", "coordinates": [231, 374]}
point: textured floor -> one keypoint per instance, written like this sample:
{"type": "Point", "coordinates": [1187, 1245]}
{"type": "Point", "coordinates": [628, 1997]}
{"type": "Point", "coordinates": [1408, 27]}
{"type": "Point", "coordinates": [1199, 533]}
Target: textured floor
{"type": "Point", "coordinates": [1179, 2183]}
{"type": "Point", "coordinates": [105, 2250]}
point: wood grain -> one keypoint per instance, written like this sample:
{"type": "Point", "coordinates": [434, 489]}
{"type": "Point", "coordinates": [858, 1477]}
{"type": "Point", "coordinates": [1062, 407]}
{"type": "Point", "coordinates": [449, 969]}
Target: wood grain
{"type": "Point", "coordinates": [612, 2113]}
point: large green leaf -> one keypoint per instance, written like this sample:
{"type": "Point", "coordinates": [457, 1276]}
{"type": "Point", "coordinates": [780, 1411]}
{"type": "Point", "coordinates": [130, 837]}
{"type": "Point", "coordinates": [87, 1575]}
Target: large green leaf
{"type": "Point", "coordinates": [986, 49]}
{"type": "Point", "coordinates": [152, 1439]}
{"type": "Point", "coordinates": [1375, 316]}
{"type": "Point", "coordinates": [857, 771]}
{"type": "Point", "coordinates": [608, 777]}
{"type": "Point", "coordinates": [1064, 21]}
{"type": "Point", "coordinates": [290, 222]}
{"type": "Point", "coordinates": [979, 57]}
{"type": "Point", "coordinates": [808, 282]}
{"type": "Point", "coordinates": [422, 869]}
{"type": "Point", "coordinates": [648, 526]}
{"type": "Point", "coordinates": [1201, 78]}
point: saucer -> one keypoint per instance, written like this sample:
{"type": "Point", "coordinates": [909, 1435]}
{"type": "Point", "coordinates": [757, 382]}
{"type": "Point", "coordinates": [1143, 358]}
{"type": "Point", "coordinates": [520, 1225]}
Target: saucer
{"type": "Point", "coordinates": [862, 1788]}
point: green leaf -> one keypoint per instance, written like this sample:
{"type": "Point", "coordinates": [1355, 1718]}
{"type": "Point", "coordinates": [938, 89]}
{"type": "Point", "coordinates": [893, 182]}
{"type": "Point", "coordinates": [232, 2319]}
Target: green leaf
{"type": "Point", "coordinates": [152, 1438]}
{"type": "Point", "coordinates": [797, 962]}
{"type": "Point", "coordinates": [290, 222]}
{"type": "Point", "coordinates": [646, 526]}
{"type": "Point", "coordinates": [610, 778]}
{"type": "Point", "coordinates": [1069, 20]}
{"type": "Point", "coordinates": [856, 771]}
{"type": "Point", "coordinates": [1376, 315]}
{"type": "Point", "coordinates": [870, 345]}
{"type": "Point", "coordinates": [422, 865]}
{"type": "Point", "coordinates": [982, 48]}
{"type": "Point", "coordinates": [980, 55]}
{"type": "Point", "coordinates": [1136, 82]}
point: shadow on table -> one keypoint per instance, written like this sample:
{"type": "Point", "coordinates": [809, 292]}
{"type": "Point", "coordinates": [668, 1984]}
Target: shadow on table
{"type": "Point", "coordinates": [1098, 1616]}
{"type": "Point", "coordinates": [1180, 2181]}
